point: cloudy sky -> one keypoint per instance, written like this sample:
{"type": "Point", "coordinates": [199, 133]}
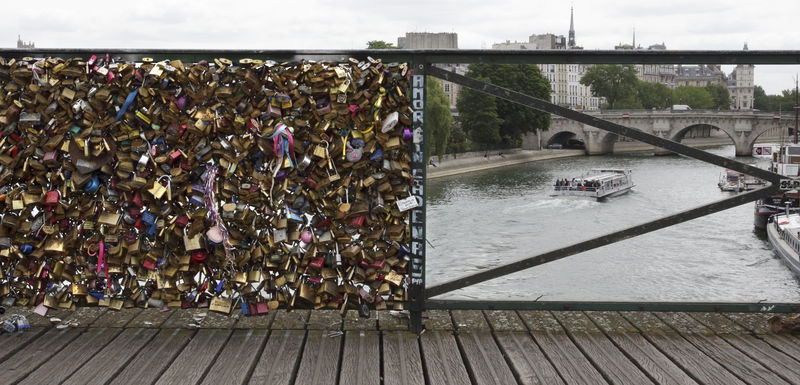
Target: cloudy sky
{"type": "Point", "coordinates": [318, 24]}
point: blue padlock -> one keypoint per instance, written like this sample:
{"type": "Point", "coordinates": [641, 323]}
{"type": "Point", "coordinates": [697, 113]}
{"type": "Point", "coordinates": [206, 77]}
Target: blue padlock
{"type": "Point", "coordinates": [92, 185]}
{"type": "Point", "coordinates": [245, 310]}
{"type": "Point", "coordinates": [376, 155]}
{"type": "Point", "coordinates": [26, 249]}
{"type": "Point", "coordinates": [149, 219]}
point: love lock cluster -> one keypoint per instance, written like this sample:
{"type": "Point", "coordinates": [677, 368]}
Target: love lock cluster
{"type": "Point", "coordinates": [256, 185]}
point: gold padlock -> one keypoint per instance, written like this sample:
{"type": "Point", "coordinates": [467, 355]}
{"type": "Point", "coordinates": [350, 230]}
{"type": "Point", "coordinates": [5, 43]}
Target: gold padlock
{"type": "Point", "coordinates": [220, 305]}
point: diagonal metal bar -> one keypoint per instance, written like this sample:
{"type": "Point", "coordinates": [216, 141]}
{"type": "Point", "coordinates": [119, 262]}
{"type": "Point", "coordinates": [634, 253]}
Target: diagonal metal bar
{"type": "Point", "coordinates": [633, 133]}
{"type": "Point", "coordinates": [602, 240]}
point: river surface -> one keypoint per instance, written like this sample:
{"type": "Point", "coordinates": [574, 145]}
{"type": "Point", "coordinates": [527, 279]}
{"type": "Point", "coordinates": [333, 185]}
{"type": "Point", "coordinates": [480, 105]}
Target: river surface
{"type": "Point", "coordinates": [485, 219]}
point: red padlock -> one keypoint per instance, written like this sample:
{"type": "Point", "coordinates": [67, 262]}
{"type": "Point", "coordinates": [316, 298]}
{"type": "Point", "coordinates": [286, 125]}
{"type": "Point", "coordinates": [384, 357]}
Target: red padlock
{"type": "Point", "coordinates": [317, 262]}
{"type": "Point", "coordinates": [182, 221]}
{"type": "Point", "coordinates": [311, 183]}
{"type": "Point", "coordinates": [262, 308]}
{"type": "Point", "coordinates": [137, 199]}
{"type": "Point", "coordinates": [199, 256]}
{"type": "Point", "coordinates": [52, 197]}
{"type": "Point", "coordinates": [149, 264]}
{"type": "Point", "coordinates": [357, 221]}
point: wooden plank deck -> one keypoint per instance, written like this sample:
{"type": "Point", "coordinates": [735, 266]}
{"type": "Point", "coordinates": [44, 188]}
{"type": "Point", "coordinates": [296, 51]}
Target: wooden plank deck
{"type": "Point", "coordinates": [459, 347]}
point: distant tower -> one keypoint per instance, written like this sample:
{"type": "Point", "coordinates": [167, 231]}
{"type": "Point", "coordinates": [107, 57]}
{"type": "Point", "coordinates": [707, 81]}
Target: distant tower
{"type": "Point", "coordinates": [22, 44]}
{"type": "Point", "coordinates": [571, 42]}
{"type": "Point", "coordinates": [634, 37]}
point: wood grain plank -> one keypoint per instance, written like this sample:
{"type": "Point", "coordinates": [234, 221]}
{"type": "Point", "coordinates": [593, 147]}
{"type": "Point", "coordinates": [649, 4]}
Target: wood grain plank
{"type": "Point", "coordinates": [573, 366]}
{"type": "Point", "coordinates": [34, 354]}
{"type": "Point", "coordinates": [781, 364]}
{"type": "Point", "coordinates": [443, 359]}
{"type": "Point", "coordinates": [527, 360]}
{"type": "Point", "coordinates": [106, 363]}
{"type": "Point", "coordinates": [72, 357]}
{"type": "Point", "coordinates": [783, 342]}
{"type": "Point", "coordinates": [742, 366]}
{"type": "Point", "coordinates": [609, 360]}
{"type": "Point", "coordinates": [570, 362]}
{"type": "Point", "coordinates": [14, 342]}
{"type": "Point", "coordinates": [277, 364]}
{"type": "Point", "coordinates": [616, 367]}
{"type": "Point", "coordinates": [734, 360]}
{"type": "Point", "coordinates": [237, 358]}
{"type": "Point", "coordinates": [402, 363]}
{"type": "Point", "coordinates": [361, 358]}
{"type": "Point", "coordinates": [196, 357]}
{"type": "Point", "coordinates": [485, 360]}
{"type": "Point", "coordinates": [700, 367]}
{"type": "Point", "coordinates": [155, 357]}
{"type": "Point", "coordinates": [320, 362]}
{"type": "Point", "coordinates": [650, 359]}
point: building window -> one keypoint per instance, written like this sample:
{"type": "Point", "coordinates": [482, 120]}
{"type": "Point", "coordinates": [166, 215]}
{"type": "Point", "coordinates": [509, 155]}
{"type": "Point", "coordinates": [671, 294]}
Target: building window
{"type": "Point", "coordinates": [447, 87]}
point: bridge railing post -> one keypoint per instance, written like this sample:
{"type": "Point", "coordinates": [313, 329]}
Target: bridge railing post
{"type": "Point", "coordinates": [419, 153]}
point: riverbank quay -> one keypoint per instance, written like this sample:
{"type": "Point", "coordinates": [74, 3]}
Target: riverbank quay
{"type": "Point", "coordinates": [485, 160]}
{"type": "Point", "coordinates": [150, 346]}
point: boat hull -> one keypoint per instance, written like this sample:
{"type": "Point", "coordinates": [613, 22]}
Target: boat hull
{"type": "Point", "coordinates": [591, 194]}
{"type": "Point", "coordinates": [782, 248]}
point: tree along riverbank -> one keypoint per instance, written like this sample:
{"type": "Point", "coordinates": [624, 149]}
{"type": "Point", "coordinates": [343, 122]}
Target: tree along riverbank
{"type": "Point", "coordinates": [484, 160]}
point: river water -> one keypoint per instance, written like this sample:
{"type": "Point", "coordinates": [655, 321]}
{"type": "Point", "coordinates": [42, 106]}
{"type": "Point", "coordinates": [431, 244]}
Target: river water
{"type": "Point", "coordinates": [484, 219]}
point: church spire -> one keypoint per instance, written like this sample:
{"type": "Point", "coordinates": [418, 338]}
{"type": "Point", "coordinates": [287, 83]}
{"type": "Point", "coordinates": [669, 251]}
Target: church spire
{"type": "Point", "coordinates": [571, 42]}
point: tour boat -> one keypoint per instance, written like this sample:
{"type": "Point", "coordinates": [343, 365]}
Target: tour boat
{"type": "Point", "coordinates": [785, 161]}
{"type": "Point", "coordinates": [599, 183]}
{"type": "Point", "coordinates": [783, 232]}
{"type": "Point", "coordinates": [732, 180]}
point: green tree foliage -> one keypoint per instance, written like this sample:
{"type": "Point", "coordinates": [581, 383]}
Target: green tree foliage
{"type": "Point", "coordinates": [438, 118]}
{"type": "Point", "coordinates": [514, 120]}
{"type": "Point", "coordinates": [653, 95]}
{"type": "Point", "coordinates": [478, 117]}
{"type": "Point", "coordinates": [696, 97]}
{"type": "Point", "coordinates": [629, 102]}
{"type": "Point", "coordinates": [613, 82]}
{"type": "Point", "coordinates": [720, 96]}
{"type": "Point", "coordinates": [761, 100]}
{"type": "Point", "coordinates": [458, 139]}
{"type": "Point", "coordinates": [380, 44]}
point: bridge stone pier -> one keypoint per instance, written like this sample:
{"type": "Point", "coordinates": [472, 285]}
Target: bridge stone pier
{"type": "Point", "coordinates": [743, 127]}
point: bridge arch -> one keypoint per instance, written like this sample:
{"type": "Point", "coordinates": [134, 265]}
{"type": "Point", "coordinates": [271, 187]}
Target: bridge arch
{"type": "Point", "coordinates": [564, 137]}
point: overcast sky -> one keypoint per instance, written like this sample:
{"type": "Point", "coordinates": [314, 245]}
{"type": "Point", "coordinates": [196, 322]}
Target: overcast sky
{"type": "Point", "coordinates": [318, 24]}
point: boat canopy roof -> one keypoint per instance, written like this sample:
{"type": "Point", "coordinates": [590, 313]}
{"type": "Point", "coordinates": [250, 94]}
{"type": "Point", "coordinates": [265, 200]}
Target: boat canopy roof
{"type": "Point", "coordinates": [791, 223]}
{"type": "Point", "coordinates": [601, 175]}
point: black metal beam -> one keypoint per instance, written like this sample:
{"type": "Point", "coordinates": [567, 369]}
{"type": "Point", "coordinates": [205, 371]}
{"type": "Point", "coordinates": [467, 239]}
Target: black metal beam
{"type": "Point", "coordinates": [633, 133]}
{"type": "Point", "coordinates": [603, 240]}
{"type": "Point", "coordinates": [728, 307]}
{"type": "Point", "coordinates": [433, 55]}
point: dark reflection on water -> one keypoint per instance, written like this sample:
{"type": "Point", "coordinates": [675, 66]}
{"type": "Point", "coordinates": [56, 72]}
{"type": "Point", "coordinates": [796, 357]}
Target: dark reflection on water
{"type": "Point", "coordinates": [485, 219]}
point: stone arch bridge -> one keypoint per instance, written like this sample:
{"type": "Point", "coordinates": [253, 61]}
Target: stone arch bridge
{"type": "Point", "coordinates": [743, 127]}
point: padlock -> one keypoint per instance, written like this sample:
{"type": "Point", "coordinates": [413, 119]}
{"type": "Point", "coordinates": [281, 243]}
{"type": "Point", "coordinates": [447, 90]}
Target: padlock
{"type": "Point", "coordinates": [355, 150]}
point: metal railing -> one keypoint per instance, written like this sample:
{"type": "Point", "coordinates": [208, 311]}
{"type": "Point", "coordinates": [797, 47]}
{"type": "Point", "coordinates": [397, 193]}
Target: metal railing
{"type": "Point", "coordinates": [421, 296]}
